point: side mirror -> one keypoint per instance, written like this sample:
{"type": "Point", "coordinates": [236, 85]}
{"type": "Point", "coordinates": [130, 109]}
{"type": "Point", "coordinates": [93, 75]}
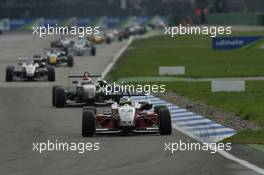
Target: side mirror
{"type": "Point", "coordinates": [74, 82]}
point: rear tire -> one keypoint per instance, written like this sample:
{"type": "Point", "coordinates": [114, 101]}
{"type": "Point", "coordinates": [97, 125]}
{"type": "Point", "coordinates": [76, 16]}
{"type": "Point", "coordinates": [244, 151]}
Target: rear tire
{"type": "Point", "coordinates": [53, 94]}
{"type": "Point", "coordinates": [88, 123]}
{"type": "Point", "coordinates": [9, 73]}
{"type": "Point", "coordinates": [93, 51]}
{"type": "Point", "coordinates": [60, 99]}
{"type": "Point", "coordinates": [165, 121]}
{"type": "Point", "coordinates": [70, 61]}
{"type": "Point", "coordinates": [51, 74]}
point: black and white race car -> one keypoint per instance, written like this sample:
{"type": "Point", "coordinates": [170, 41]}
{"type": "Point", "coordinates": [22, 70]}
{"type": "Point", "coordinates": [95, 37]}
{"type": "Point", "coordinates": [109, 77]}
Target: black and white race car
{"type": "Point", "coordinates": [62, 43]}
{"type": "Point", "coordinates": [85, 92]}
{"type": "Point", "coordinates": [30, 69]}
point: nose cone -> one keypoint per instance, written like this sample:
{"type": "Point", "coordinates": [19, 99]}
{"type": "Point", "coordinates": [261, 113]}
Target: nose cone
{"type": "Point", "coordinates": [89, 90]}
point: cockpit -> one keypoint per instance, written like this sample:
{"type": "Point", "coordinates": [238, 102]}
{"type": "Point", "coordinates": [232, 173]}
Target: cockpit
{"type": "Point", "coordinates": [86, 80]}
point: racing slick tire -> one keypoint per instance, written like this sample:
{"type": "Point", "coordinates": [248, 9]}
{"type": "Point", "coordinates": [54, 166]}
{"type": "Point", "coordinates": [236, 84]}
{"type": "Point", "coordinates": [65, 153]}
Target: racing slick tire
{"type": "Point", "coordinates": [51, 73]}
{"type": "Point", "coordinates": [53, 44]}
{"type": "Point", "coordinates": [53, 94]}
{"type": "Point", "coordinates": [93, 51]}
{"type": "Point", "coordinates": [164, 121]}
{"type": "Point", "coordinates": [91, 108]}
{"type": "Point", "coordinates": [60, 98]}
{"type": "Point", "coordinates": [70, 61]}
{"type": "Point", "coordinates": [9, 73]}
{"type": "Point", "coordinates": [108, 40]}
{"type": "Point", "coordinates": [88, 123]}
{"type": "Point", "coordinates": [120, 38]}
{"type": "Point", "coordinates": [158, 107]}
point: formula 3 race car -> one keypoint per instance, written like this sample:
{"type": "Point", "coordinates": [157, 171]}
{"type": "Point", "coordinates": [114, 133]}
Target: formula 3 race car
{"type": "Point", "coordinates": [56, 58]}
{"type": "Point", "coordinates": [82, 47]}
{"type": "Point", "coordinates": [85, 92]}
{"type": "Point", "coordinates": [63, 43]}
{"type": "Point", "coordinates": [127, 117]}
{"type": "Point", "coordinates": [30, 69]}
{"type": "Point", "coordinates": [113, 35]}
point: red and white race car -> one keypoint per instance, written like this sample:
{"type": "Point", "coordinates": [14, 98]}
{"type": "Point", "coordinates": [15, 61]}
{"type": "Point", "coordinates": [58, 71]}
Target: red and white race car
{"type": "Point", "coordinates": [127, 117]}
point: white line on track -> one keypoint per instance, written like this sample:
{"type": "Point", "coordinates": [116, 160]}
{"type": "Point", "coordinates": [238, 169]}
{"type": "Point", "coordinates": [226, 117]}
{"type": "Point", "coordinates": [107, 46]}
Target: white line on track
{"type": "Point", "coordinates": [116, 57]}
{"type": "Point", "coordinates": [241, 161]}
{"type": "Point", "coordinates": [224, 153]}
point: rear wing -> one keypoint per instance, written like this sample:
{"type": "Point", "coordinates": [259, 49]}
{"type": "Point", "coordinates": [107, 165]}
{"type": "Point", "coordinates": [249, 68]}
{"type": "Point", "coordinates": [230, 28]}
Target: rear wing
{"type": "Point", "coordinates": [86, 74]}
{"type": "Point", "coordinates": [117, 96]}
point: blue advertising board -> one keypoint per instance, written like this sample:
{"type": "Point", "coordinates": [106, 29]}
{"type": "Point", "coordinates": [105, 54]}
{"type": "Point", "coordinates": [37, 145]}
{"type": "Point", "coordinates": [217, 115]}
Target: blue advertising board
{"type": "Point", "coordinates": [83, 22]}
{"type": "Point", "coordinates": [19, 23]}
{"type": "Point", "coordinates": [112, 22]}
{"type": "Point", "coordinates": [233, 42]}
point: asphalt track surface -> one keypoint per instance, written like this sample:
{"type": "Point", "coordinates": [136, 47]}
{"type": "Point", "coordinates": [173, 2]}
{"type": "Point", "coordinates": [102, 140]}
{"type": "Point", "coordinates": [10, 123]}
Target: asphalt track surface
{"type": "Point", "coordinates": [27, 116]}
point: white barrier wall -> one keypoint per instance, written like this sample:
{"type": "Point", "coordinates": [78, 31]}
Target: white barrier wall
{"type": "Point", "coordinates": [171, 70]}
{"type": "Point", "coordinates": [228, 86]}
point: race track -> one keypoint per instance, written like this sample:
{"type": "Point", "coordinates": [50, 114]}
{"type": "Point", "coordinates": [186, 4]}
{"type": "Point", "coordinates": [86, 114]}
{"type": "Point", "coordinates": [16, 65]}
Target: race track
{"type": "Point", "coordinates": [27, 116]}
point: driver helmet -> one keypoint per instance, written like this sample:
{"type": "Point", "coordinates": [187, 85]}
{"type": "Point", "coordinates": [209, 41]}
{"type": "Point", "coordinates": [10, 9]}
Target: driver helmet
{"type": "Point", "coordinates": [124, 101]}
{"type": "Point", "coordinates": [87, 80]}
{"type": "Point", "coordinates": [53, 51]}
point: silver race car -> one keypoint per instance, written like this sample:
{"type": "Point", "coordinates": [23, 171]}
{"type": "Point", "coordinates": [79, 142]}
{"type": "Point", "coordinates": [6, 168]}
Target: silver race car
{"type": "Point", "coordinates": [30, 69]}
{"type": "Point", "coordinates": [82, 47]}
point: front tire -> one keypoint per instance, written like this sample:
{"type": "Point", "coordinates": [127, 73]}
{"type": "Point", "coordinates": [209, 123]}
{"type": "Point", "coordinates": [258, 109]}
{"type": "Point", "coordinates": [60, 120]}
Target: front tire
{"type": "Point", "coordinates": [51, 74]}
{"type": "Point", "coordinates": [60, 98]}
{"type": "Point", "coordinates": [70, 61]}
{"type": "Point", "coordinates": [120, 38]}
{"type": "Point", "coordinates": [9, 73]}
{"type": "Point", "coordinates": [158, 107]}
{"type": "Point", "coordinates": [108, 40]}
{"type": "Point", "coordinates": [53, 94]}
{"type": "Point", "coordinates": [164, 121]}
{"type": "Point", "coordinates": [88, 123]}
{"type": "Point", "coordinates": [93, 51]}
{"type": "Point", "coordinates": [91, 108]}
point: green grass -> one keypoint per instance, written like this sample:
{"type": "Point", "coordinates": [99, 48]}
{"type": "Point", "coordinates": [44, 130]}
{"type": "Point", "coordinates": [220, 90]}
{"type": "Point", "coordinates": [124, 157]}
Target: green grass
{"type": "Point", "coordinates": [248, 105]}
{"type": "Point", "coordinates": [248, 136]}
{"type": "Point", "coordinates": [194, 52]}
